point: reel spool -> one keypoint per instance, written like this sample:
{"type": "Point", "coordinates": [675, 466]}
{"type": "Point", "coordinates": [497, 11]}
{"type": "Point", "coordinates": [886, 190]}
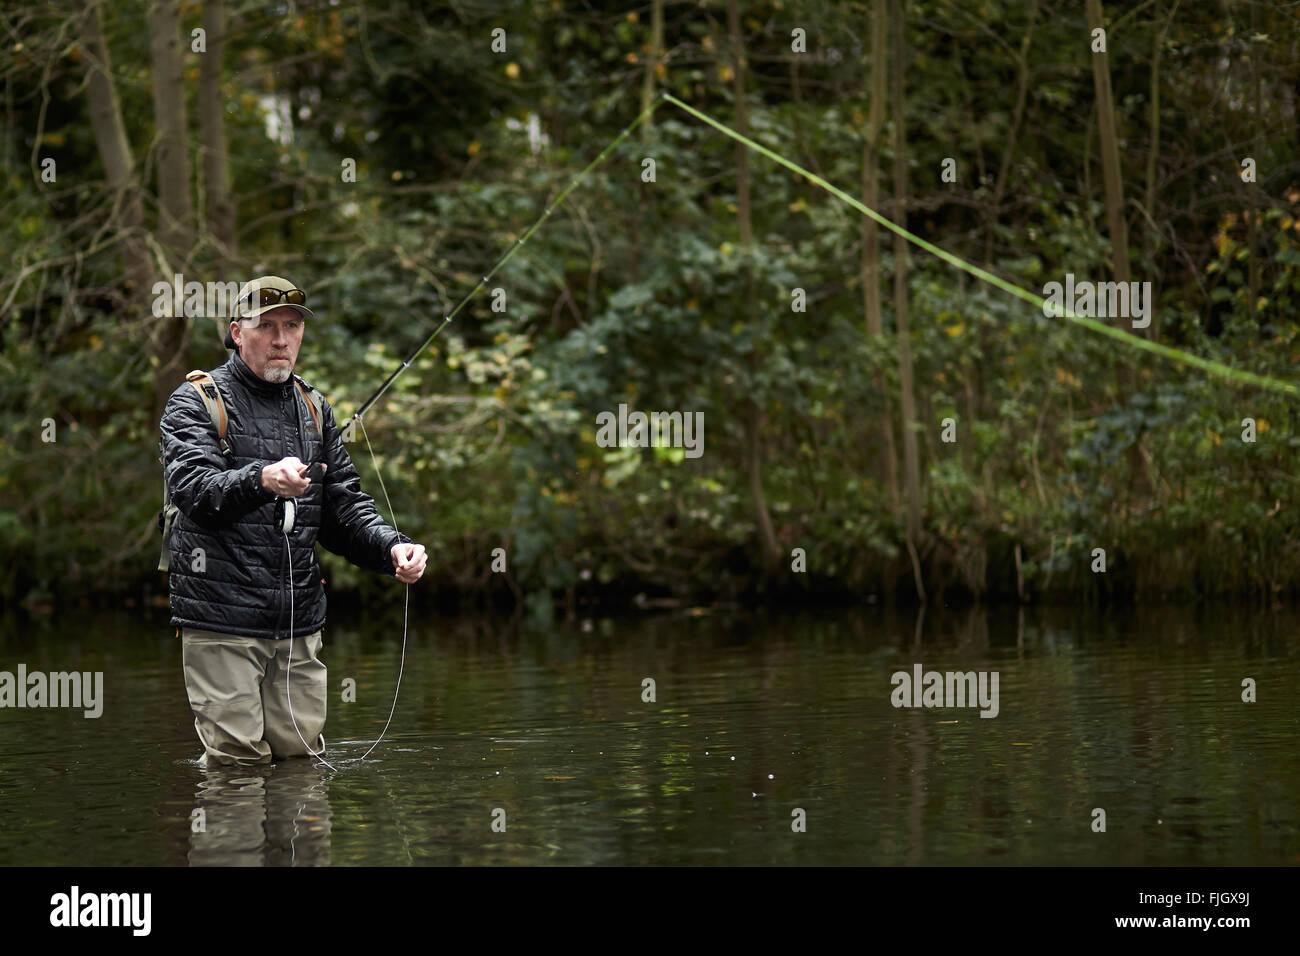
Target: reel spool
{"type": "Point", "coordinates": [288, 512]}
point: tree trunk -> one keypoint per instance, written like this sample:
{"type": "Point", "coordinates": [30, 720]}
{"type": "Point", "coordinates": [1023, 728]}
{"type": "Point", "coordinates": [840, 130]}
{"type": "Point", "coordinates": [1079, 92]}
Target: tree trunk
{"type": "Point", "coordinates": [1152, 233]}
{"type": "Point", "coordinates": [753, 414]}
{"type": "Point", "coordinates": [216, 158]}
{"type": "Point", "coordinates": [871, 305]}
{"type": "Point", "coordinates": [212, 135]}
{"type": "Point", "coordinates": [652, 64]}
{"type": "Point", "coordinates": [1017, 117]}
{"type": "Point", "coordinates": [1109, 152]}
{"type": "Point", "coordinates": [1253, 206]}
{"type": "Point", "coordinates": [119, 167]}
{"type": "Point", "coordinates": [647, 97]}
{"type": "Point", "coordinates": [871, 170]}
{"type": "Point", "coordinates": [175, 216]}
{"type": "Point", "coordinates": [907, 397]}
{"type": "Point", "coordinates": [1118, 228]}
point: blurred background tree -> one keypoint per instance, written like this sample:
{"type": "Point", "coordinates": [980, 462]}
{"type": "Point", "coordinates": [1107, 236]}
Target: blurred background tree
{"type": "Point", "coordinates": [228, 161]}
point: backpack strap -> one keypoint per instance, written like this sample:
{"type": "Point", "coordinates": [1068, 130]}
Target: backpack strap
{"type": "Point", "coordinates": [313, 403]}
{"type": "Point", "coordinates": [211, 396]}
{"type": "Point", "coordinates": [165, 519]}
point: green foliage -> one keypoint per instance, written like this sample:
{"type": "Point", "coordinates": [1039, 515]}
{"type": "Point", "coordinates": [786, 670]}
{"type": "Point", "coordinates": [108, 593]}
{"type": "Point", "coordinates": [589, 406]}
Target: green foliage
{"type": "Point", "coordinates": [643, 294]}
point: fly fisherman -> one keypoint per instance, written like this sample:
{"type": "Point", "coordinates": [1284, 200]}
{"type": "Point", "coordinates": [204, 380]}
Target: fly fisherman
{"type": "Point", "coordinates": [249, 451]}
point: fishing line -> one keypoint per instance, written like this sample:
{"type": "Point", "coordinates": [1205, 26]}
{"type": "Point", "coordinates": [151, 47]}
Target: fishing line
{"type": "Point", "coordinates": [288, 670]}
{"type": "Point", "coordinates": [357, 415]}
{"type": "Point", "coordinates": [1127, 338]}
{"type": "Point", "coordinates": [285, 527]}
{"type": "Point", "coordinates": [405, 611]}
{"type": "Point", "coordinates": [1135, 341]}
{"type": "Point", "coordinates": [506, 258]}
{"type": "Point", "coordinates": [1208, 365]}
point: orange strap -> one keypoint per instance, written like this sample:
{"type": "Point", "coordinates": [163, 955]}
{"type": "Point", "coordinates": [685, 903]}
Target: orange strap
{"type": "Point", "coordinates": [199, 379]}
{"type": "Point", "coordinates": [311, 407]}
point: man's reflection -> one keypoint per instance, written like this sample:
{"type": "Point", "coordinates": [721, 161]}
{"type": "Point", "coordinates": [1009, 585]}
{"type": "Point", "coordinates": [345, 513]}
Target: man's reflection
{"type": "Point", "coordinates": [277, 815]}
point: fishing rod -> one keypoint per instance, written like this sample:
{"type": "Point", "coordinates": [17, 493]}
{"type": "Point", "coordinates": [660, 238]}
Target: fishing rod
{"type": "Point", "coordinates": [406, 363]}
{"type": "Point", "coordinates": [366, 405]}
{"type": "Point", "coordinates": [1236, 375]}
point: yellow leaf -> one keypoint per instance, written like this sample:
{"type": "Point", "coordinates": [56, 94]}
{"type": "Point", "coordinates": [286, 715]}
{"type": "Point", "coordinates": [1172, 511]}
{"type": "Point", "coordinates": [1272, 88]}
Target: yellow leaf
{"type": "Point", "coordinates": [1065, 378]}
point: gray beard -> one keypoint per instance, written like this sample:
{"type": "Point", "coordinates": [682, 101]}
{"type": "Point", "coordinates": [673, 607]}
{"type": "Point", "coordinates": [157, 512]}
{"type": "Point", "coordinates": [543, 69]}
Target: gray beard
{"type": "Point", "coordinates": [277, 374]}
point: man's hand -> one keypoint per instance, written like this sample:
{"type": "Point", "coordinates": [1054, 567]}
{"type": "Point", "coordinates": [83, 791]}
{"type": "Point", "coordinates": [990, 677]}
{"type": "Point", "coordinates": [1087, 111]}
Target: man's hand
{"type": "Point", "coordinates": [287, 477]}
{"type": "Point", "coordinates": [409, 561]}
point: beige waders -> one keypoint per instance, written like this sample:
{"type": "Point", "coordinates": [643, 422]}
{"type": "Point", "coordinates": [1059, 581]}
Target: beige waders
{"type": "Point", "coordinates": [236, 686]}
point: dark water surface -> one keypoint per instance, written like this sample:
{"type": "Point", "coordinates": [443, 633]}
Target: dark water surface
{"type": "Point", "coordinates": [1138, 713]}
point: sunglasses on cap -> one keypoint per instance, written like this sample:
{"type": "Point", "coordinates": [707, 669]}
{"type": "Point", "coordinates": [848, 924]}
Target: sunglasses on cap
{"type": "Point", "coordinates": [265, 297]}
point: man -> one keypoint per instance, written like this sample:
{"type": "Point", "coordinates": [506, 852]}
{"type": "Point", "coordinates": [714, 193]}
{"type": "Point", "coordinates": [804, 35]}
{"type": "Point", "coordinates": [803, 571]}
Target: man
{"type": "Point", "coordinates": [238, 578]}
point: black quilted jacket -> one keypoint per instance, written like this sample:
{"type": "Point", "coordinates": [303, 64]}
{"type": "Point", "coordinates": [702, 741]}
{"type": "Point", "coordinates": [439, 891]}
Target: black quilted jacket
{"type": "Point", "coordinates": [239, 583]}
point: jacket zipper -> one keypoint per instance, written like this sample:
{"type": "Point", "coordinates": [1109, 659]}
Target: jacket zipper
{"type": "Point", "coordinates": [279, 617]}
{"type": "Point", "coordinates": [286, 569]}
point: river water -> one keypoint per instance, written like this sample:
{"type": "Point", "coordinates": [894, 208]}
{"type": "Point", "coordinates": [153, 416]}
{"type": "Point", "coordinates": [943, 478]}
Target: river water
{"type": "Point", "coordinates": [771, 739]}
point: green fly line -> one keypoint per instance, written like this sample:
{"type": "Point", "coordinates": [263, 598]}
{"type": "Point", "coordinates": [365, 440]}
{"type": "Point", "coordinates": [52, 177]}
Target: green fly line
{"type": "Point", "coordinates": [1237, 375]}
{"type": "Point", "coordinates": [1208, 365]}
{"type": "Point", "coordinates": [1214, 368]}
